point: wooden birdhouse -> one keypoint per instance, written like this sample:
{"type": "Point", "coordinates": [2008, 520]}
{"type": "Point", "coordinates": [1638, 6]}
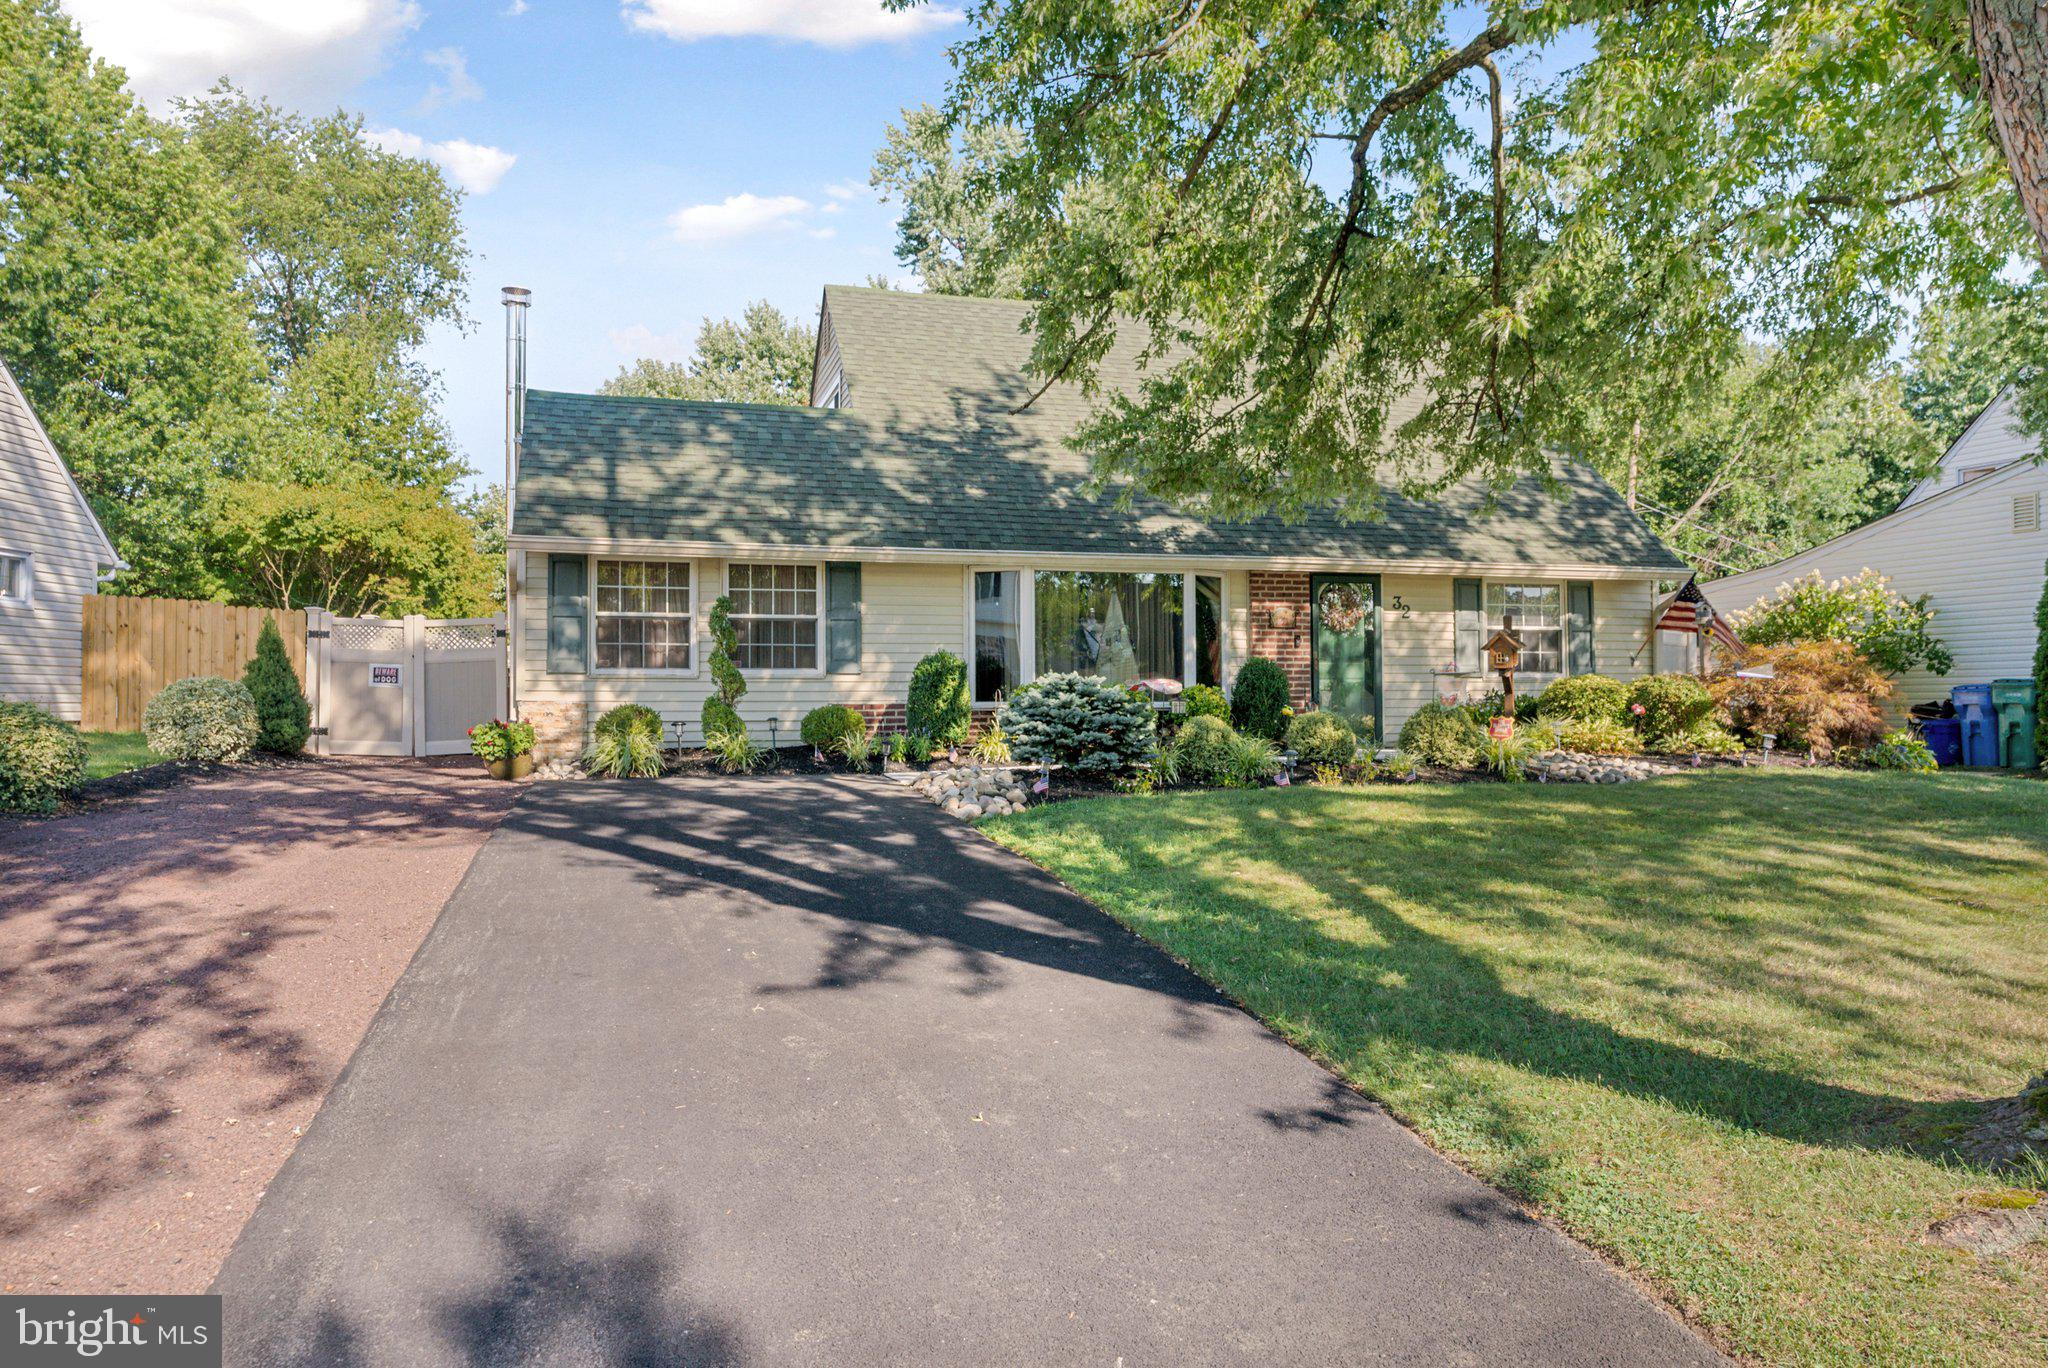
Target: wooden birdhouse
{"type": "Point", "coordinates": [1504, 649]}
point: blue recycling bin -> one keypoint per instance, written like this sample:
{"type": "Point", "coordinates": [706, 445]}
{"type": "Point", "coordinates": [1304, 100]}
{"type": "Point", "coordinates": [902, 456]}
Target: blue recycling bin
{"type": "Point", "coordinates": [1944, 736]}
{"type": "Point", "coordinates": [1979, 724]}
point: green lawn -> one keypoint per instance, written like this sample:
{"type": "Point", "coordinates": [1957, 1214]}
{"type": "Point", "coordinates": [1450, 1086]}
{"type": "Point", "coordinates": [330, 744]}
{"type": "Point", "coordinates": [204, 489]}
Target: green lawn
{"type": "Point", "coordinates": [112, 752]}
{"type": "Point", "coordinates": [1714, 1025]}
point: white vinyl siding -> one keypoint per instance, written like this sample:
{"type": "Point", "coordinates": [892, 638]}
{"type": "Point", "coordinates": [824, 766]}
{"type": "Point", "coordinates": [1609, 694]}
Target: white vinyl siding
{"type": "Point", "coordinates": [1982, 576]}
{"type": "Point", "coordinates": [1994, 439]}
{"type": "Point", "coordinates": [43, 521]}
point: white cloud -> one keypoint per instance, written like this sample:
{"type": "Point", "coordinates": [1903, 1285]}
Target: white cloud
{"type": "Point", "coordinates": [833, 23]}
{"type": "Point", "coordinates": [515, 9]}
{"type": "Point", "coordinates": [737, 216]}
{"type": "Point", "coordinates": [845, 190]}
{"type": "Point", "coordinates": [299, 52]}
{"type": "Point", "coordinates": [474, 167]}
{"type": "Point", "coordinates": [641, 340]}
{"type": "Point", "coordinates": [456, 86]}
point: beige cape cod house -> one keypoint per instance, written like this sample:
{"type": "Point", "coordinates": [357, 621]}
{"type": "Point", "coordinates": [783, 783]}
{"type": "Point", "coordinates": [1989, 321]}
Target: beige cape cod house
{"type": "Point", "coordinates": [909, 509]}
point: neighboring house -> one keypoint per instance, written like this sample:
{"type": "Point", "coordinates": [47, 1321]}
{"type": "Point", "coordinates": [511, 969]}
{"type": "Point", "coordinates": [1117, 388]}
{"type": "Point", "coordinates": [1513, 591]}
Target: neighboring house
{"type": "Point", "coordinates": [52, 554]}
{"type": "Point", "coordinates": [914, 510]}
{"type": "Point", "coordinates": [1969, 536]}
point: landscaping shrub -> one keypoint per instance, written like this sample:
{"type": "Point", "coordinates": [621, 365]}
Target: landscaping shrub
{"type": "Point", "coordinates": [822, 727]}
{"type": "Point", "coordinates": [1251, 761]}
{"type": "Point", "coordinates": [1204, 700]}
{"type": "Point", "coordinates": [1259, 699]}
{"type": "Point", "coordinates": [494, 740]}
{"type": "Point", "coordinates": [1598, 736]}
{"type": "Point", "coordinates": [41, 758]}
{"type": "Point", "coordinates": [858, 749]}
{"type": "Point", "coordinates": [1584, 698]}
{"type": "Point", "coordinates": [939, 705]}
{"type": "Point", "coordinates": [1506, 759]}
{"type": "Point", "coordinates": [721, 715]}
{"type": "Point", "coordinates": [1893, 633]}
{"type": "Point", "coordinates": [1661, 706]}
{"type": "Point", "coordinates": [735, 752]}
{"type": "Point", "coordinates": [1085, 723]}
{"type": "Point", "coordinates": [1899, 750]}
{"type": "Point", "coordinates": [203, 718]}
{"type": "Point", "coordinates": [992, 747]}
{"type": "Point", "coordinates": [283, 717]}
{"type": "Point", "coordinates": [626, 743]}
{"type": "Point", "coordinates": [1200, 753]}
{"type": "Point", "coordinates": [2041, 675]}
{"type": "Point", "coordinates": [1322, 738]}
{"type": "Point", "coordinates": [1825, 696]}
{"type": "Point", "coordinates": [1710, 737]}
{"type": "Point", "coordinates": [1444, 736]}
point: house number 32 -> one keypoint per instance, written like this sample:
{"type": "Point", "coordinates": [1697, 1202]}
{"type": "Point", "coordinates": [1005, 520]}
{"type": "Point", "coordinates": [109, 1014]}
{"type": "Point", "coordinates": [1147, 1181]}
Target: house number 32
{"type": "Point", "coordinates": [1400, 605]}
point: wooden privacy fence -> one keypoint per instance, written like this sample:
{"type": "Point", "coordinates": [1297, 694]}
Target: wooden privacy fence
{"type": "Point", "coordinates": [135, 646]}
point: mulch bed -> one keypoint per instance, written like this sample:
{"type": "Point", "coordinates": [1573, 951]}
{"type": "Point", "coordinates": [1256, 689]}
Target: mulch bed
{"type": "Point", "coordinates": [183, 973]}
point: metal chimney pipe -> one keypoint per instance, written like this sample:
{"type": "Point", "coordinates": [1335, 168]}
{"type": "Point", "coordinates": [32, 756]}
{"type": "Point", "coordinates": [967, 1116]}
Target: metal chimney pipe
{"type": "Point", "coordinates": [516, 298]}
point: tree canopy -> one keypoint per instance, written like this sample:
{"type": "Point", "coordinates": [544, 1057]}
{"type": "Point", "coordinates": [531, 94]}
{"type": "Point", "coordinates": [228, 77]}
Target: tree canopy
{"type": "Point", "coordinates": [764, 358]}
{"type": "Point", "coordinates": [227, 298]}
{"type": "Point", "coordinates": [1559, 225]}
{"type": "Point", "coordinates": [947, 228]}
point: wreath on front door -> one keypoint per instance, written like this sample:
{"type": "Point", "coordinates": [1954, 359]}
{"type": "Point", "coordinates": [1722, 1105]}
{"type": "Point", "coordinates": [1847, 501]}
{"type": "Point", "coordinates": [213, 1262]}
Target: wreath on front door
{"type": "Point", "coordinates": [1342, 607]}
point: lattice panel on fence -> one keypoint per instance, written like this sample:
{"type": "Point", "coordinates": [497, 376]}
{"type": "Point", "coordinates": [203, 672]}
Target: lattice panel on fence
{"type": "Point", "coordinates": [353, 634]}
{"type": "Point", "coordinates": [462, 636]}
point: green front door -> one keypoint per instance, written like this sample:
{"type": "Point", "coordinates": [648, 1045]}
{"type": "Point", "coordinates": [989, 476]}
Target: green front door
{"type": "Point", "coordinates": [1344, 624]}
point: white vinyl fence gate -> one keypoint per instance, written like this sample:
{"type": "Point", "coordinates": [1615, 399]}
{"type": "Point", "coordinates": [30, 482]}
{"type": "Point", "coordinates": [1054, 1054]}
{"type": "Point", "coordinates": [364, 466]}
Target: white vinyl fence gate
{"type": "Point", "coordinates": [402, 686]}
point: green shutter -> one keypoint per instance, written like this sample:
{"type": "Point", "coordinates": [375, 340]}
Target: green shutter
{"type": "Point", "coordinates": [842, 617]}
{"type": "Point", "coordinates": [568, 615]}
{"type": "Point", "coordinates": [1465, 601]}
{"type": "Point", "coordinates": [1578, 629]}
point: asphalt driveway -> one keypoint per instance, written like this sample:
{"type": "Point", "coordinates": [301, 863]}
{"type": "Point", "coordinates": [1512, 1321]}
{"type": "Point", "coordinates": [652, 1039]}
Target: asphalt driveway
{"type": "Point", "coordinates": [802, 1071]}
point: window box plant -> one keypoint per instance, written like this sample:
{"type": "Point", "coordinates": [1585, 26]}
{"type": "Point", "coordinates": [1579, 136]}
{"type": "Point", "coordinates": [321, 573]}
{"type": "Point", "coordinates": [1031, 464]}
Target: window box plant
{"type": "Point", "coordinates": [507, 747]}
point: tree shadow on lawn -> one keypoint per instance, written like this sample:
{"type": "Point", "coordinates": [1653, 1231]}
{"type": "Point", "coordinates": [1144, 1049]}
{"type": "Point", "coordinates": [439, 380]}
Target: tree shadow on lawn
{"type": "Point", "coordinates": [1405, 989]}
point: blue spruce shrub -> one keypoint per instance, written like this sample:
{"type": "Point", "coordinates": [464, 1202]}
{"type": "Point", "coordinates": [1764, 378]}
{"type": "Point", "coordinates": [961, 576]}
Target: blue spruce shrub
{"type": "Point", "coordinates": [1082, 722]}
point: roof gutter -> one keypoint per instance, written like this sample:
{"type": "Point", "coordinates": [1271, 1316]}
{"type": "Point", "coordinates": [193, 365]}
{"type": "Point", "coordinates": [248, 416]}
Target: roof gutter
{"type": "Point", "coordinates": [710, 550]}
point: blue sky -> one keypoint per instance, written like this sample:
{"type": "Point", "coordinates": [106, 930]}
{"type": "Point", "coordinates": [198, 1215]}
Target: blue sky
{"type": "Point", "coordinates": [638, 164]}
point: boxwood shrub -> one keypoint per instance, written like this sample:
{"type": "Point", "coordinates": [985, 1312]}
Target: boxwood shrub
{"type": "Point", "coordinates": [1322, 738]}
{"type": "Point", "coordinates": [1201, 750]}
{"type": "Point", "coordinates": [202, 718]}
{"type": "Point", "coordinates": [1082, 722]}
{"type": "Point", "coordinates": [626, 743]}
{"type": "Point", "coordinates": [41, 758]}
{"type": "Point", "coordinates": [1203, 700]}
{"type": "Point", "coordinates": [1669, 704]}
{"type": "Point", "coordinates": [822, 727]}
{"type": "Point", "coordinates": [1584, 698]}
{"type": "Point", "coordinates": [1259, 698]}
{"type": "Point", "coordinates": [1443, 736]}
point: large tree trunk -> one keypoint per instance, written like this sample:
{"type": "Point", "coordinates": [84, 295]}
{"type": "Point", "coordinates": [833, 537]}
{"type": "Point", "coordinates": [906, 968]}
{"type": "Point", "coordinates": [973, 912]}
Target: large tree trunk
{"type": "Point", "coordinates": [2011, 41]}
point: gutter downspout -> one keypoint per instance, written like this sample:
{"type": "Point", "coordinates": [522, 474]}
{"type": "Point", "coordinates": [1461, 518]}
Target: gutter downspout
{"type": "Point", "coordinates": [516, 300]}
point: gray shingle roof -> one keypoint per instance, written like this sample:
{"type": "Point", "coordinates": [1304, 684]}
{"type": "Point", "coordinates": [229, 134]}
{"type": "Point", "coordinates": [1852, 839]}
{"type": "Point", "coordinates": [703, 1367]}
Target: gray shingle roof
{"type": "Point", "coordinates": [929, 457]}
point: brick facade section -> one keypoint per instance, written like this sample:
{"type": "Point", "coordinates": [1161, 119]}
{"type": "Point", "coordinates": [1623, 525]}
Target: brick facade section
{"type": "Point", "coordinates": [1279, 626]}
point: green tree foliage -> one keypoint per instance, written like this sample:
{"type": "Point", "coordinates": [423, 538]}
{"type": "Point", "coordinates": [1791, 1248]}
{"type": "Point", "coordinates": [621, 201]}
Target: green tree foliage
{"type": "Point", "coordinates": [765, 358]}
{"type": "Point", "coordinates": [946, 181]}
{"type": "Point", "coordinates": [353, 409]}
{"type": "Point", "coordinates": [1572, 219]}
{"type": "Point", "coordinates": [1965, 353]}
{"type": "Point", "coordinates": [283, 717]}
{"type": "Point", "coordinates": [353, 549]}
{"type": "Point", "coordinates": [338, 235]}
{"type": "Point", "coordinates": [1894, 633]}
{"type": "Point", "coordinates": [721, 715]}
{"type": "Point", "coordinates": [118, 305]}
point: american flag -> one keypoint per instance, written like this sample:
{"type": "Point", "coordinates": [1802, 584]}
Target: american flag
{"type": "Point", "coordinates": [1689, 611]}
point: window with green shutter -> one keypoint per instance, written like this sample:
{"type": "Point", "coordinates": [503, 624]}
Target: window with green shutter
{"type": "Point", "coordinates": [1579, 628]}
{"type": "Point", "coordinates": [1470, 625]}
{"type": "Point", "coordinates": [568, 615]}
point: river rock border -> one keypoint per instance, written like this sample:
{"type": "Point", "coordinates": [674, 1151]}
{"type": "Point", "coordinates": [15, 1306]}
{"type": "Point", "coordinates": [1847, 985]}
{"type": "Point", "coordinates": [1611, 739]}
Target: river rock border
{"type": "Point", "coordinates": [973, 791]}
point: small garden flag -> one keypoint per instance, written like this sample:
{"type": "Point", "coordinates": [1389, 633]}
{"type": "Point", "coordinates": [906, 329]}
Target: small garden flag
{"type": "Point", "coordinates": [1043, 783]}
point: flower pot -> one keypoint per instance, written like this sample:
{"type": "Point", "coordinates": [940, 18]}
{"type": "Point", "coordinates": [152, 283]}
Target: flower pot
{"type": "Point", "coordinates": [512, 767]}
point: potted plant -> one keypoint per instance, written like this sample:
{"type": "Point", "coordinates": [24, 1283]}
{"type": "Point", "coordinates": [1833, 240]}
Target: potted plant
{"type": "Point", "coordinates": [507, 747]}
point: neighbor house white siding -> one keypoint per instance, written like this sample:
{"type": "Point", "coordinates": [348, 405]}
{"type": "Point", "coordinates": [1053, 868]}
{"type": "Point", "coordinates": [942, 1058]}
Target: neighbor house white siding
{"type": "Point", "coordinates": [1977, 551]}
{"type": "Point", "coordinates": [44, 520]}
{"type": "Point", "coordinates": [1993, 439]}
